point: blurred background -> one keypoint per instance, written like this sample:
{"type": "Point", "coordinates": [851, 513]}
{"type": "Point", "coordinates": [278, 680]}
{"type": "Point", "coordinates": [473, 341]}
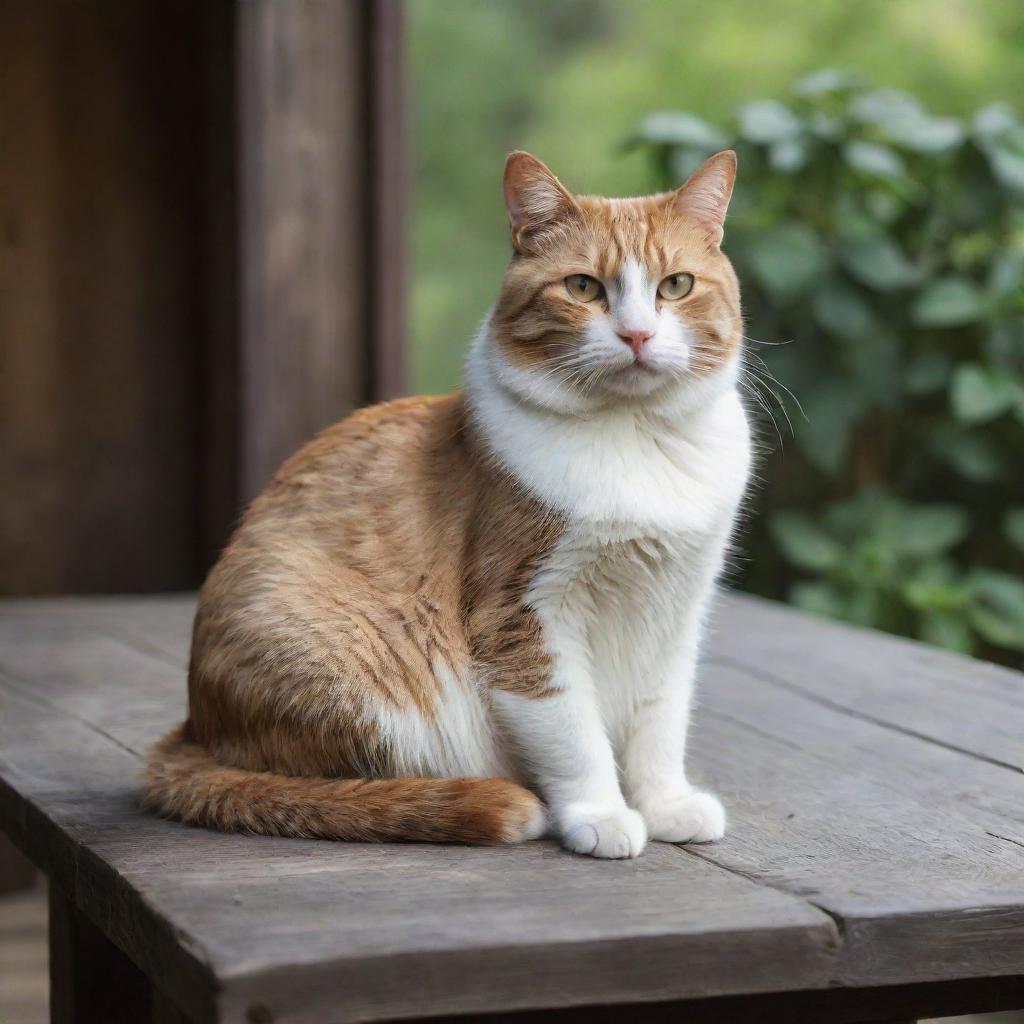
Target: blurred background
{"type": "Point", "coordinates": [878, 229]}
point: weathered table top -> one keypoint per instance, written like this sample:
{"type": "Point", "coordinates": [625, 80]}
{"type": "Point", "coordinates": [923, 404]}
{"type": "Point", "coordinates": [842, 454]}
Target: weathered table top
{"type": "Point", "coordinates": [875, 789]}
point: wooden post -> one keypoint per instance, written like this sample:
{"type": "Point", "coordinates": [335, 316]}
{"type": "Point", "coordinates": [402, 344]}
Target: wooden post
{"type": "Point", "coordinates": [321, 213]}
{"type": "Point", "coordinates": [388, 186]}
{"type": "Point", "coordinates": [201, 266]}
{"type": "Point", "coordinates": [304, 221]}
{"type": "Point", "coordinates": [91, 980]}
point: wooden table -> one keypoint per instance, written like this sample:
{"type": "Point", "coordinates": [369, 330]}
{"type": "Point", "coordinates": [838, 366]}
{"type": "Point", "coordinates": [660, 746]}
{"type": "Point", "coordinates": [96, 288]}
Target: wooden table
{"type": "Point", "coordinates": [874, 868]}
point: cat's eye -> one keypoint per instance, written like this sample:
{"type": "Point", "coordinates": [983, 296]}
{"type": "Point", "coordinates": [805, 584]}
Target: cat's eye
{"type": "Point", "coordinates": [675, 286]}
{"type": "Point", "coordinates": [583, 287]}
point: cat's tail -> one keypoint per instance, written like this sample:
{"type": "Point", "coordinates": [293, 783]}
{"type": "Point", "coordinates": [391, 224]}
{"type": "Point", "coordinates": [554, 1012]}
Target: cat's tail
{"type": "Point", "coordinates": [184, 781]}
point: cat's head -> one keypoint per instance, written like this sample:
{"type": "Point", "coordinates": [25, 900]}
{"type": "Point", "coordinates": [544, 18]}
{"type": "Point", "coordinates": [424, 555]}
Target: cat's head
{"type": "Point", "coordinates": [615, 300]}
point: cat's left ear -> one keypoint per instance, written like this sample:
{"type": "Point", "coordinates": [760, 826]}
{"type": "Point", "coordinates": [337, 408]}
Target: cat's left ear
{"type": "Point", "coordinates": [534, 196]}
{"type": "Point", "coordinates": [704, 196]}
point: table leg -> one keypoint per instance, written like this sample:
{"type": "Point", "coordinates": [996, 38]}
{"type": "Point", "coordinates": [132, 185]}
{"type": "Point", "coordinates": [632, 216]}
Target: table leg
{"type": "Point", "coordinates": [165, 1011]}
{"type": "Point", "coordinates": [91, 980]}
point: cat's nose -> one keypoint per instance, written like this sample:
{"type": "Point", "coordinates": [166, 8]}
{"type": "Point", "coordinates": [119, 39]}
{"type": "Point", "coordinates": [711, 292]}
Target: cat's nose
{"type": "Point", "coordinates": [636, 339]}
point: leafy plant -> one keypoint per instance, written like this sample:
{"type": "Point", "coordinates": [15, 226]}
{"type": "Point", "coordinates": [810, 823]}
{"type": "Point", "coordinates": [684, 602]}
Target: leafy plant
{"type": "Point", "coordinates": [887, 243]}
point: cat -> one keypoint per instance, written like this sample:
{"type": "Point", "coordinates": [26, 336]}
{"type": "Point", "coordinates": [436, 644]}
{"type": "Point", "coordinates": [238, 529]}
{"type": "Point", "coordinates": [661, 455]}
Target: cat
{"type": "Point", "coordinates": [475, 618]}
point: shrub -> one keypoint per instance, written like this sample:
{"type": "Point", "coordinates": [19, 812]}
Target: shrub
{"type": "Point", "coordinates": [888, 244]}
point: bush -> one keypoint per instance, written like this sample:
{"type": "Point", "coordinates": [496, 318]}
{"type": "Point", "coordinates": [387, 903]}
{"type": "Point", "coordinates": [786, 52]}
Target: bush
{"type": "Point", "coordinates": [888, 243]}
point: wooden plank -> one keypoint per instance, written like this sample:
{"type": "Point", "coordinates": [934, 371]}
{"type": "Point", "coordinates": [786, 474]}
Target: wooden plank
{"type": "Point", "coordinates": [960, 702]}
{"type": "Point", "coordinates": [837, 1006]}
{"type": "Point", "coordinates": [916, 850]}
{"type": "Point", "coordinates": [896, 838]}
{"type": "Point", "coordinates": [369, 931]}
{"type": "Point", "coordinates": [159, 624]}
{"type": "Point", "coordinates": [374, 932]}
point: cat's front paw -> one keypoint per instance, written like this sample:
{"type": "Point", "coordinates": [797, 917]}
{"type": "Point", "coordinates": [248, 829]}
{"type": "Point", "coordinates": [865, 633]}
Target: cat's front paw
{"type": "Point", "coordinates": [685, 816]}
{"type": "Point", "coordinates": [613, 834]}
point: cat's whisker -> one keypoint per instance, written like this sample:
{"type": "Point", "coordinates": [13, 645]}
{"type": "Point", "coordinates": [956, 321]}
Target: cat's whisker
{"type": "Point", "coordinates": [773, 344]}
{"type": "Point", "coordinates": [751, 389]}
{"type": "Point", "coordinates": [775, 380]}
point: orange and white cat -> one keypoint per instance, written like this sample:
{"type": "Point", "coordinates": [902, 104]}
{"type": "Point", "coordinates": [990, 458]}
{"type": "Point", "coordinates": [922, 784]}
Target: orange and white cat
{"type": "Point", "coordinates": [476, 618]}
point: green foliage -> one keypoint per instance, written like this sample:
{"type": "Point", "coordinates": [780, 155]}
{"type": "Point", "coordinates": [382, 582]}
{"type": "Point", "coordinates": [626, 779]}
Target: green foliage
{"type": "Point", "coordinates": [568, 80]}
{"type": "Point", "coordinates": [888, 243]}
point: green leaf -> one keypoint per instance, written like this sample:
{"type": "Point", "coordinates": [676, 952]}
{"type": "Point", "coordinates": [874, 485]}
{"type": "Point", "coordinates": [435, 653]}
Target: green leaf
{"type": "Point", "coordinates": [996, 119]}
{"type": "Point", "coordinates": [922, 595]}
{"type": "Point", "coordinates": [864, 607]}
{"type": "Point", "coordinates": [948, 302]}
{"type": "Point", "coordinates": [858, 516]}
{"type": "Point", "coordinates": [818, 599]}
{"type": "Point", "coordinates": [832, 408]}
{"type": "Point", "coordinates": [903, 121]}
{"type": "Point", "coordinates": [884, 206]}
{"type": "Point", "coordinates": [885, 106]}
{"type": "Point", "coordinates": [788, 155]}
{"type": "Point", "coordinates": [874, 158]}
{"type": "Point", "coordinates": [1006, 272]}
{"type": "Point", "coordinates": [998, 612]}
{"type": "Point", "coordinates": [876, 363]}
{"type": "Point", "coordinates": [766, 121]}
{"type": "Point", "coordinates": [1013, 526]}
{"type": "Point", "coordinates": [803, 542]}
{"type": "Point", "coordinates": [922, 531]}
{"type": "Point", "coordinates": [973, 456]}
{"type": "Point", "coordinates": [981, 393]}
{"type": "Point", "coordinates": [878, 262]}
{"type": "Point", "coordinates": [786, 259]}
{"type": "Point", "coordinates": [826, 80]}
{"type": "Point", "coordinates": [1007, 166]}
{"type": "Point", "coordinates": [927, 134]}
{"type": "Point", "coordinates": [682, 129]}
{"type": "Point", "coordinates": [928, 372]}
{"type": "Point", "coordinates": [840, 309]}
{"type": "Point", "coordinates": [825, 126]}
{"type": "Point", "coordinates": [947, 629]}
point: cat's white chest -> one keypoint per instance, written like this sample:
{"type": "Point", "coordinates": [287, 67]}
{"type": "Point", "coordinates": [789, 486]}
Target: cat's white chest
{"type": "Point", "coordinates": [638, 558]}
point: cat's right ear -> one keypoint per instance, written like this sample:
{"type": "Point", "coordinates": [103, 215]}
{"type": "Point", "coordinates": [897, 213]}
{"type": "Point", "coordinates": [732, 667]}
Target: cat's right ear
{"type": "Point", "coordinates": [535, 198]}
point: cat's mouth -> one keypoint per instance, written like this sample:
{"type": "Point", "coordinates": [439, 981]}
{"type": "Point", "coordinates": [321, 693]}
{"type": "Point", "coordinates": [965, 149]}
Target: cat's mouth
{"type": "Point", "coordinates": [638, 368]}
{"type": "Point", "coordinates": [637, 379]}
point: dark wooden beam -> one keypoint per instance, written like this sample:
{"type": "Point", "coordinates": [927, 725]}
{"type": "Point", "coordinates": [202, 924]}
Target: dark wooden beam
{"type": "Point", "coordinates": [91, 980]}
{"type": "Point", "coordinates": [389, 191]}
{"type": "Point", "coordinates": [320, 160]}
{"type": "Point", "coordinates": [303, 221]}
{"type": "Point", "coordinates": [201, 265]}
{"type": "Point", "coordinates": [98, 317]}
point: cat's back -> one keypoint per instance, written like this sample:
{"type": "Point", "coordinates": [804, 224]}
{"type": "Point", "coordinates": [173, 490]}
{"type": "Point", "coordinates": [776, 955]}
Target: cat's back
{"type": "Point", "coordinates": [378, 496]}
{"type": "Point", "coordinates": [397, 462]}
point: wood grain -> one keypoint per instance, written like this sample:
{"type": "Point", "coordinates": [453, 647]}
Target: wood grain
{"type": "Point", "coordinates": [862, 854]}
{"type": "Point", "coordinates": [879, 678]}
{"type": "Point", "coordinates": [201, 265]}
{"type": "Point", "coordinates": [91, 981]}
{"type": "Point", "coordinates": [98, 315]}
{"type": "Point", "coordinates": [304, 272]}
